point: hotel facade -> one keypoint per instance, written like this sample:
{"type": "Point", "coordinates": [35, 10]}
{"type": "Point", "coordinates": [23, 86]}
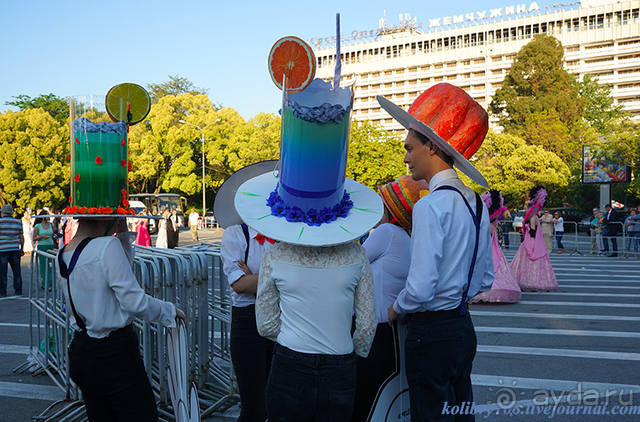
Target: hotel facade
{"type": "Point", "coordinates": [475, 51]}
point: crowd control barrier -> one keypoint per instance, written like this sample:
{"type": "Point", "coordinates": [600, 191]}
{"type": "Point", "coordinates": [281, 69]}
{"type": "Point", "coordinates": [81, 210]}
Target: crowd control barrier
{"type": "Point", "coordinates": [193, 279]}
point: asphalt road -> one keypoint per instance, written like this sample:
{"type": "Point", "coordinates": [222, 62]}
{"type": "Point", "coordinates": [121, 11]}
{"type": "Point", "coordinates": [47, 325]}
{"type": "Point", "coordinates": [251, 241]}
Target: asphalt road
{"type": "Point", "coordinates": [576, 347]}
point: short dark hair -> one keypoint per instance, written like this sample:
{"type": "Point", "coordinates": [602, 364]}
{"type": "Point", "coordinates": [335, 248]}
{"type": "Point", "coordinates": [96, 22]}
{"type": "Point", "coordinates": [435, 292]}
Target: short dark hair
{"type": "Point", "coordinates": [607, 205]}
{"type": "Point", "coordinates": [426, 141]}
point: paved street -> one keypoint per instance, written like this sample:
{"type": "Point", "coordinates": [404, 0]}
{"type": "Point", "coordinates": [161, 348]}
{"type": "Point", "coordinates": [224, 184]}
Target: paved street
{"type": "Point", "coordinates": [582, 340]}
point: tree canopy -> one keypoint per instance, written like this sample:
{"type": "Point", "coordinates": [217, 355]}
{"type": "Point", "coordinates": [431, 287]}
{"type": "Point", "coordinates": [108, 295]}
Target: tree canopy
{"type": "Point", "coordinates": [537, 82]}
{"type": "Point", "coordinates": [57, 107]}
{"type": "Point", "coordinates": [34, 165]}
{"type": "Point", "coordinates": [175, 86]}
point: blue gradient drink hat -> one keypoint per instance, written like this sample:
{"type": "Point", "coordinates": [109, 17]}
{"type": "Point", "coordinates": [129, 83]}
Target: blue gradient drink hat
{"type": "Point", "coordinates": [309, 201]}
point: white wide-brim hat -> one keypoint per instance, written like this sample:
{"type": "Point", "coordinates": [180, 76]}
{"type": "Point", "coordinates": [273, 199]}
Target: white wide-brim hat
{"type": "Point", "coordinates": [224, 209]}
{"type": "Point", "coordinates": [410, 122]}
{"type": "Point", "coordinates": [251, 204]}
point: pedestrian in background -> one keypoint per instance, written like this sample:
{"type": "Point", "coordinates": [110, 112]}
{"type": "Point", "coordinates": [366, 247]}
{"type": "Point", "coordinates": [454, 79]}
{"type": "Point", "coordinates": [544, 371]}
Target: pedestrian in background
{"type": "Point", "coordinates": [558, 227]}
{"type": "Point", "coordinates": [43, 234]}
{"type": "Point", "coordinates": [546, 221]}
{"type": "Point", "coordinates": [595, 249]}
{"type": "Point", "coordinates": [162, 241]}
{"type": "Point", "coordinates": [27, 232]}
{"type": "Point", "coordinates": [11, 244]}
{"type": "Point", "coordinates": [632, 227]}
{"type": "Point", "coordinates": [610, 230]}
{"type": "Point", "coordinates": [193, 224]}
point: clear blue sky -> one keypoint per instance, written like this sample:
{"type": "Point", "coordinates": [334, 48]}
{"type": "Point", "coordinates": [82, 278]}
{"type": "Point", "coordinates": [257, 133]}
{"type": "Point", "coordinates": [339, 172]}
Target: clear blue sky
{"type": "Point", "coordinates": [72, 47]}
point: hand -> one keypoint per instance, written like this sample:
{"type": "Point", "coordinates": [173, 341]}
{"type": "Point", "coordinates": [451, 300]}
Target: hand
{"type": "Point", "coordinates": [392, 315]}
{"type": "Point", "coordinates": [244, 267]}
{"type": "Point", "coordinates": [180, 316]}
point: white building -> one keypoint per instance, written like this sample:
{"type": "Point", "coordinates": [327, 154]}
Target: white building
{"type": "Point", "coordinates": [475, 50]}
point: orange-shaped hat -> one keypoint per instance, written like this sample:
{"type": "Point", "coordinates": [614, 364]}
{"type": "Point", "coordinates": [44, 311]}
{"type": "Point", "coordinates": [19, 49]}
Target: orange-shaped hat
{"type": "Point", "coordinates": [454, 116]}
{"type": "Point", "coordinates": [451, 119]}
{"type": "Point", "coordinates": [401, 195]}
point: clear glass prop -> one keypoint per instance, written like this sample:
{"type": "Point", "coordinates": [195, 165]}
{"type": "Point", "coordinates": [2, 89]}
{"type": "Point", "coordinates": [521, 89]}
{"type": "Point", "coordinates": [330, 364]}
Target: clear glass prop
{"type": "Point", "coordinates": [99, 163]}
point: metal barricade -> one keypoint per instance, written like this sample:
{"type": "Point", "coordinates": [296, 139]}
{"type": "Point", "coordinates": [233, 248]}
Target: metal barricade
{"type": "Point", "coordinates": [193, 279]}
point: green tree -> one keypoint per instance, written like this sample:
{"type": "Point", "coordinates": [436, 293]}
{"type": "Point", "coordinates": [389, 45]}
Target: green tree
{"type": "Point", "coordinates": [375, 155]}
{"type": "Point", "coordinates": [537, 82]}
{"type": "Point", "coordinates": [599, 111]}
{"type": "Point", "coordinates": [176, 85]}
{"type": "Point", "coordinates": [34, 165]}
{"type": "Point", "coordinates": [163, 150]}
{"type": "Point", "coordinates": [57, 107]}
{"type": "Point", "coordinates": [512, 166]}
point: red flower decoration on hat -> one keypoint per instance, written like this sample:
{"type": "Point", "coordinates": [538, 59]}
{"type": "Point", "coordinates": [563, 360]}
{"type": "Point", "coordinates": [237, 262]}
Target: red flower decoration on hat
{"type": "Point", "coordinates": [125, 203]}
{"type": "Point", "coordinates": [93, 210]}
{"type": "Point", "coordinates": [69, 199]}
{"type": "Point", "coordinates": [121, 211]}
{"type": "Point", "coordinates": [69, 157]}
{"type": "Point", "coordinates": [124, 141]}
{"type": "Point", "coordinates": [98, 160]}
{"type": "Point", "coordinates": [130, 166]}
{"type": "Point", "coordinates": [123, 163]}
{"type": "Point", "coordinates": [124, 193]}
{"type": "Point", "coordinates": [105, 210]}
{"type": "Point", "coordinates": [77, 141]}
{"type": "Point", "coordinates": [83, 210]}
{"type": "Point", "coordinates": [77, 178]}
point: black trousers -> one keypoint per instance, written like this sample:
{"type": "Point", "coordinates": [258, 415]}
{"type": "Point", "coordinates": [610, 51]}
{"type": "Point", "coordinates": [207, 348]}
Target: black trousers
{"type": "Point", "coordinates": [439, 355]}
{"type": "Point", "coordinates": [373, 370]}
{"type": "Point", "coordinates": [251, 358]}
{"type": "Point", "coordinates": [112, 378]}
{"type": "Point", "coordinates": [307, 387]}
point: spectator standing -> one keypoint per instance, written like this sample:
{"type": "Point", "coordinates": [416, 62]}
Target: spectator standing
{"type": "Point", "coordinates": [632, 227]}
{"type": "Point", "coordinates": [610, 230]}
{"type": "Point", "coordinates": [11, 244]}
{"type": "Point", "coordinates": [546, 221]}
{"type": "Point", "coordinates": [162, 240]}
{"type": "Point", "coordinates": [558, 227]}
{"type": "Point", "coordinates": [507, 227]}
{"type": "Point", "coordinates": [142, 231]}
{"type": "Point", "coordinates": [43, 234]}
{"type": "Point", "coordinates": [592, 232]}
{"type": "Point", "coordinates": [193, 224]}
{"type": "Point", "coordinates": [27, 232]}
{"type": "Point", "coordinates": [173, 229]}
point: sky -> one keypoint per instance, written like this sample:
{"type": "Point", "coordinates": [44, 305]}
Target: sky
{"type": "Point", "coordinates": [85, 47]}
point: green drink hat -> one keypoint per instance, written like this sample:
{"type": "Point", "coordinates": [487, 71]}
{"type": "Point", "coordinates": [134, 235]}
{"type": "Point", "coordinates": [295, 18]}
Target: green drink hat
{"type": "Point", "coordinates": [99, 151]}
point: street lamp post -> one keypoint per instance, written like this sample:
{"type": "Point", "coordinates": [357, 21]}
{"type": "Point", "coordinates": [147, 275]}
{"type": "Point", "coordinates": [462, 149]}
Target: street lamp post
{"type": "Point", "coordinates": [201, 129]}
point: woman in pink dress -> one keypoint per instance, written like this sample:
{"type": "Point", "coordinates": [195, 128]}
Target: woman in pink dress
{"type": "Point", "coordinates": [505, 288]}
{"type": "Point", "coordinates": [143, 238]}
{"type": "Point", "coordinates": [531, 266]}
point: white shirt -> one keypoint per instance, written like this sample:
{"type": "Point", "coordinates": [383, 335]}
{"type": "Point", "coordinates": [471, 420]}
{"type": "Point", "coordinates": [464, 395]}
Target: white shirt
{"type": "Point", "coordinates": [193, 219]}
{"type": "Point", "coordinates": [307, 297]}
{"type": "Point", "coordinates": [442, 241]}
{"type": "Point", "coordinates": [559, 225]}
{"type": "Point", "coordinates": [388, 249]}
{"type": "Point", "coordinates": [233, 250]}
{"type": "Point", "coordinates": [106, 293]}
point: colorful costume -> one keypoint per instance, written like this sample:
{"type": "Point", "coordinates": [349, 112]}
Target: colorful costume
{"type": "Point", "coordinates": [505, 288]}
{"type": "Point", "coordinates": [531, 266]}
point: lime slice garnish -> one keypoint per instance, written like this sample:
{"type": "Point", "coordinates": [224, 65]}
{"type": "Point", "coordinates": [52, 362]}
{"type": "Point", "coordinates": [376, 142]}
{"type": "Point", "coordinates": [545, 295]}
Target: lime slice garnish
{"type": "Point", "coordinates": [128, 103]}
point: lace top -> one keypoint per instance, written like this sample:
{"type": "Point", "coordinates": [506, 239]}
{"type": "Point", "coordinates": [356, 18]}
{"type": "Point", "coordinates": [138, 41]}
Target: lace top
{"type": "Point", "coordinates": [307, 297]}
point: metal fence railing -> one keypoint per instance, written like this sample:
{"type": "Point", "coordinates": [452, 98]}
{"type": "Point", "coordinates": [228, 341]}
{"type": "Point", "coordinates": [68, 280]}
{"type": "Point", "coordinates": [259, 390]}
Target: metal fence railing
{"type": "Point", "coordinates": [576, 240]}
{"type": "Point", "coordinates": [192, 278]}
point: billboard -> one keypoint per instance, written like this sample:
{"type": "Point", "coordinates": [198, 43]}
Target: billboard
{"type": "Point", "coordinates": [599, 170]}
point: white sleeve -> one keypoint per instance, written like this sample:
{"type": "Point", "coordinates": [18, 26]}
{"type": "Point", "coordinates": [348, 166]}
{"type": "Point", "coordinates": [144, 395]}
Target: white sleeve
{"type": "Point", "coordinates": [267, 301]}
{"type": "Point", "coordinates": [233, 250]}
{"type": "Point", "coordinates": [131, 297]}
{"type": "Point", "coordinates": [427, 248]}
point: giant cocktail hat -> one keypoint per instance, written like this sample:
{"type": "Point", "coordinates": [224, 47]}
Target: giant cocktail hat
{"type": "Point", "coordinates": [99, 151]}
{"type": "Point", "coordinates": [309, 201]}
{"type": "Point", "coordinates": [451, 119]}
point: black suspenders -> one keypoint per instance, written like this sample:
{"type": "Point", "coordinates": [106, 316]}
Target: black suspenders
{"type": "Point", "coordinates": [477, 217]}
{"type": "Point", "coordinates": [66, 272]}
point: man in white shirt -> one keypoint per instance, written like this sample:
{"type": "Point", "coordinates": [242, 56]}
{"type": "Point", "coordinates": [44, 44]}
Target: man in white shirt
{"type": "Point", "coordinates": [193, 224]}
{"type": "Point", "coordinates": [450, 251]}
{"type": "Point", "coordinates": [558, 227]}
